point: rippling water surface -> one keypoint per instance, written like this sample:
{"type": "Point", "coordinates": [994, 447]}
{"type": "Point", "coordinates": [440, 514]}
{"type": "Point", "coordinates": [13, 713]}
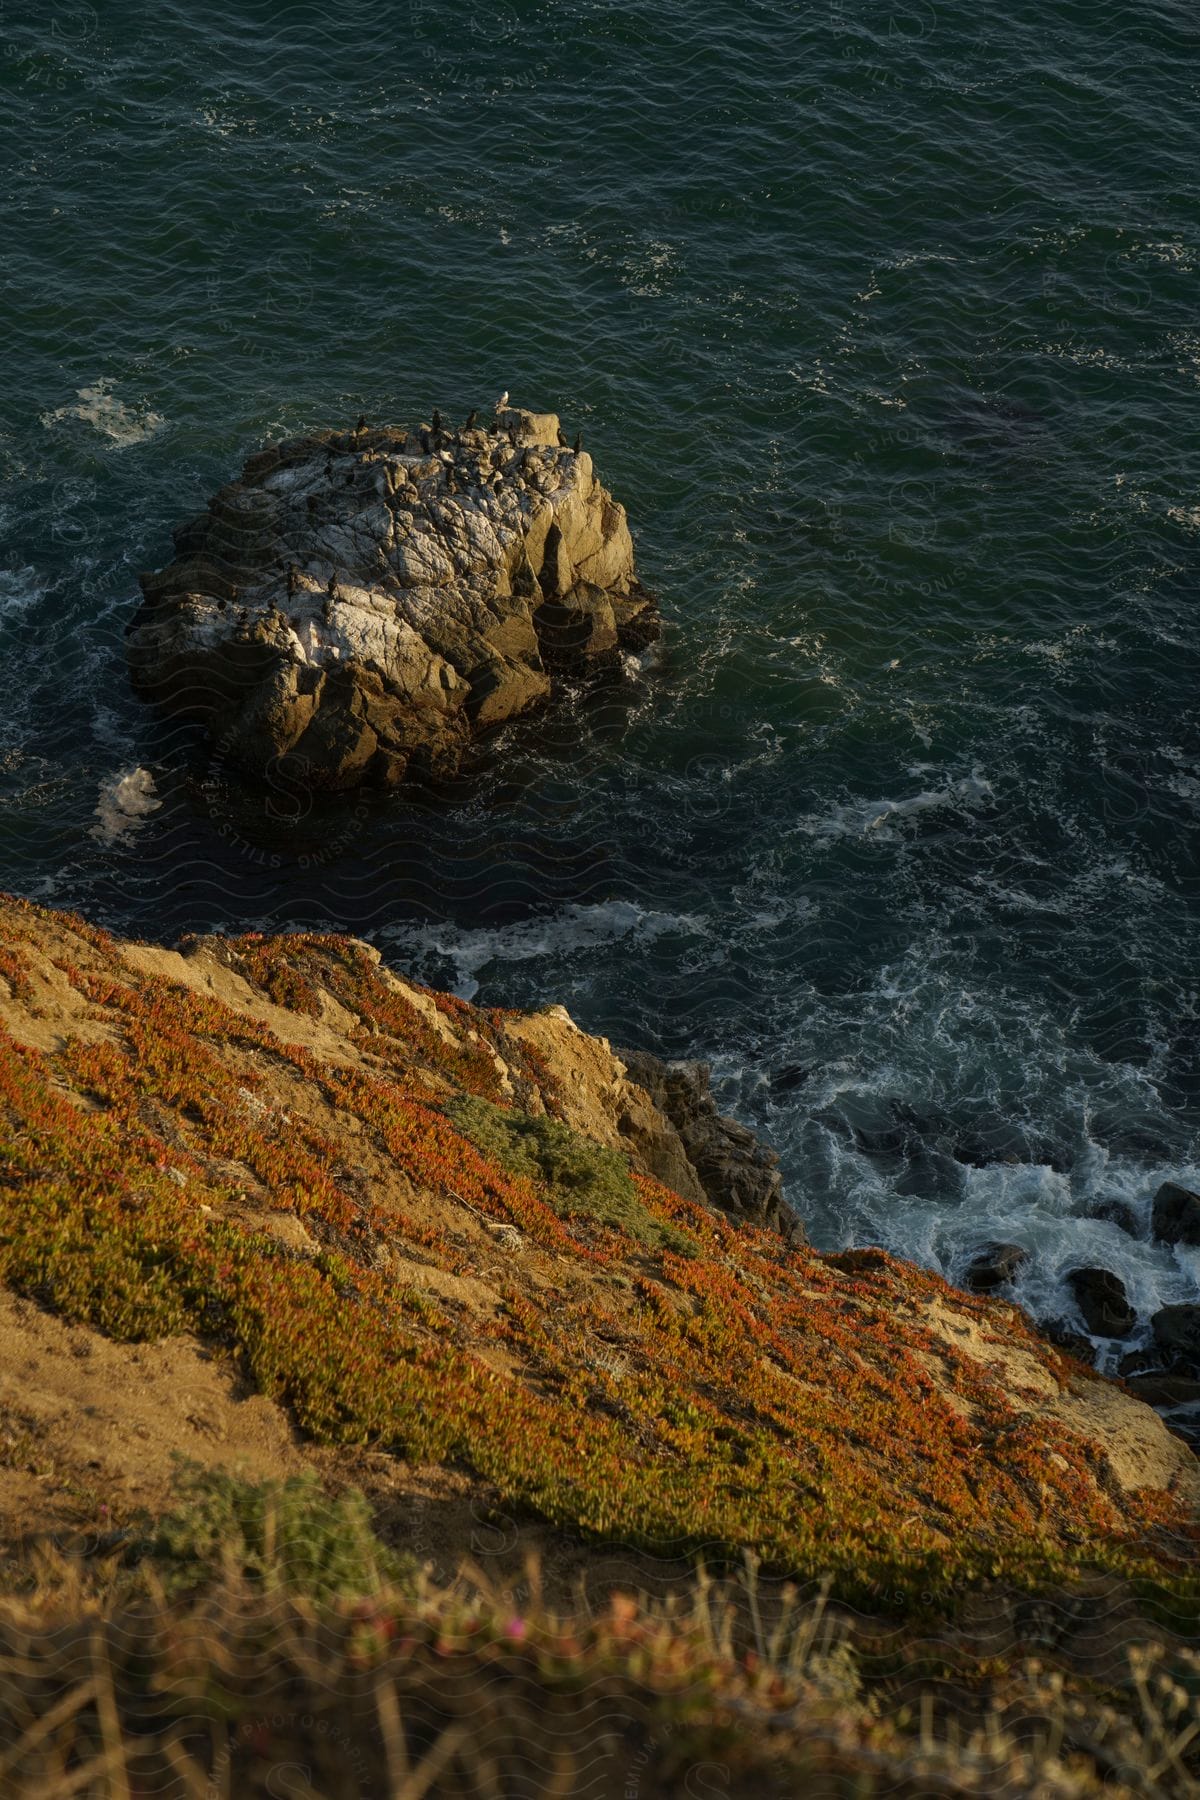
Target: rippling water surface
{"type": "Point", "coordinates": [882, 319]}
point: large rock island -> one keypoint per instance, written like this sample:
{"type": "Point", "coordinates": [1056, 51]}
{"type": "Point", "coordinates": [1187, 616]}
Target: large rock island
{"type": "Point", "coordinates": [365, 603]}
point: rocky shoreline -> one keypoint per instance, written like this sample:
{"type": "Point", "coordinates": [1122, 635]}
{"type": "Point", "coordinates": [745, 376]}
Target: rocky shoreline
{"type": "Point", "coordinates": [1166, 1370]}
{"type": "Point", "coordinates": [363, 605]}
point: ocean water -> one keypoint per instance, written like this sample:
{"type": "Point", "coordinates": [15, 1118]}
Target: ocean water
{"type": "Point", "coordinates": [882, 320]}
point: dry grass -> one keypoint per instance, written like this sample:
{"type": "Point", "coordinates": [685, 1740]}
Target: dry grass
{"type": "Point", "coordinates": [108, 1689]}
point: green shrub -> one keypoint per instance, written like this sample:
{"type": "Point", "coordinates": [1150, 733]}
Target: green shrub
{"type": "Point", "coordinates": [286, 1535]}
{"type": "Point", "coordinates": [577, 1175]}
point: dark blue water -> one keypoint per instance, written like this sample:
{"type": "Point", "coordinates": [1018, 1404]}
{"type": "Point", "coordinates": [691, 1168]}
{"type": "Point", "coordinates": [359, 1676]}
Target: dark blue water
{"type": "Point", "coordinates": [883, 321]}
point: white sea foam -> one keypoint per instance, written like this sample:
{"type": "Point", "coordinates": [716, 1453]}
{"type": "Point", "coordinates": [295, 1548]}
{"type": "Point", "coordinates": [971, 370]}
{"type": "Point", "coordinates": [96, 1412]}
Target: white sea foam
{"type": "Point", "coordinates": [879, 818]}
{"type": "Point", "coordinates": [553, 935]}
{"type": "Point", "coordinates": [125, 801]}
{"type": "Point", "coordinates": [98, 407]}
{"type": "Point", "coordinates": [1037, 1207]}
{"type": "Point", "coordinates": [19, 590]}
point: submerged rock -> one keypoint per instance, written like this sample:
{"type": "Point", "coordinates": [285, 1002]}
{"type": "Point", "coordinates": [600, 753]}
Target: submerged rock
{"type": "Point", "coordinates": [1118, 1213]}
{"type": "Point", "coordinates": [1101, 1298]}
{"type": "Point", "coordinates": [364, 604]}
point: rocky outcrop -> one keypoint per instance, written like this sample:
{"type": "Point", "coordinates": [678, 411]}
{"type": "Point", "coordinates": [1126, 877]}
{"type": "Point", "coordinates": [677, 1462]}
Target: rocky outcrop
{"type": "Point", "coordinates": [661, 1116]}
{"type": "Point", "coordinates": [1175, 1217]}
{"type": "Point", "coordinates": [733, 1169]}
{"type": "Point", "coordinates": [364, 604]}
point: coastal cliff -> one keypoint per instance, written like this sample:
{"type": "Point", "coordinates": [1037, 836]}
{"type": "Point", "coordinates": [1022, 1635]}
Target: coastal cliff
{"type": "Point", "coordinates": [472, 1240]}
{"type": "Point", "coordinates": [367, 603]}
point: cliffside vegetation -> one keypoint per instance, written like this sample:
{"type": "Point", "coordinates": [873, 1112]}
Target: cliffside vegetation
{"type": "Point", "coordinates": [374, 1205]}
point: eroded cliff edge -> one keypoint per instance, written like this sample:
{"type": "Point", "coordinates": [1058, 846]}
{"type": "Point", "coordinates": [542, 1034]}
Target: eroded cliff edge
{"type": "Point", "coordinates": [366, 603]}
{"type": "Point", "coordinates": [404, 1222]}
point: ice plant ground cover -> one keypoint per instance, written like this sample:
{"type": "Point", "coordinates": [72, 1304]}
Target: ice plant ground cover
{"type": "Point", "coordinates": [698, 1389]}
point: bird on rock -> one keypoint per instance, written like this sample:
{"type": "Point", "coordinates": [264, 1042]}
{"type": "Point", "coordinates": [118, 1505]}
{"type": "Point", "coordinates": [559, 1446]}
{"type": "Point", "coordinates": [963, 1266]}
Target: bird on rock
{"type": "Point", "coordinates": [437, 422]}
{"type": "Point", "coordinates": [578, 443]}
{"type": "Point", "coordinates": [471, 418]}
{"type": "Point", "coordinates": [502, 402]}
{"type": "Point", "coordinates": [562, 438]}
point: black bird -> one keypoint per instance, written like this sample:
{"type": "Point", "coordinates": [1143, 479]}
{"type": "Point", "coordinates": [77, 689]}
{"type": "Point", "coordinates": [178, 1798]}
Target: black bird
{"type": "Point", "coordinates": [437, 421]}
{"type": "Point", "coordinates": [578, 443]}
{"type": "Point", "coordinates": [331, 590]}
{"type": "Point", "coordinates": [562, 438]}
{"type": "Point", "coordinates": [233, 594]}
{"type": "Point", "coordinates": [361, 426]}
{"type": "Point", "coordinates": [293, 579]}
{"type": "Point", "coordinates": [220, 606]}
{"type": "Point", "coordinates": [425, 446]}
{"type": "Point", "coordinates": [471, 418]}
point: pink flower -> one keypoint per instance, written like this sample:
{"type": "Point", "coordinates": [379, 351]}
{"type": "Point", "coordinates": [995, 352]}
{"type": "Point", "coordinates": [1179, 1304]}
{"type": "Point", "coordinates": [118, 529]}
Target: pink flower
{"type": "Point", "coordinates": [515, 1630]}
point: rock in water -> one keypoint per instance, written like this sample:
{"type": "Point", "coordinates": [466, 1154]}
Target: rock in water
{"type": "Point", "coordinates": [1101, 1298]}
{"type": "Point", "coordinates": [452, 604]}
{"type": "Point", "coordinates": [1177, 1335]}
{"type": "Point", "coordinates": [1176, 1214]}
{"type": "Point", "coordinates": [1118, 1213]}
{"type": "Point", "coordinates": [994, 1265]}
